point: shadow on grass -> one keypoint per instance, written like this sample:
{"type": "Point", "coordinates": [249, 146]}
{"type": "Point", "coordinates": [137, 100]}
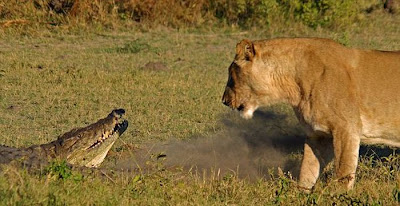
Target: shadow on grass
{"type": "Point", "coordinates": [250, 149]}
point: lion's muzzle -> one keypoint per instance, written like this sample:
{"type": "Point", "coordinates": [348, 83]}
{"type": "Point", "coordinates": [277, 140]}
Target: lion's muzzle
{"type": "Point", "coordinates": [227, 98]}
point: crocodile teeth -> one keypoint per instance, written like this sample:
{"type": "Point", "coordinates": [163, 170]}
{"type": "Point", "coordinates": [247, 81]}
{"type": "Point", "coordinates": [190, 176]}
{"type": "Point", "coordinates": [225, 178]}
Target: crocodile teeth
{"type": "Point", "coordinates": [106, 135]}
{"type": "Point", "coordinates": [103, 137]}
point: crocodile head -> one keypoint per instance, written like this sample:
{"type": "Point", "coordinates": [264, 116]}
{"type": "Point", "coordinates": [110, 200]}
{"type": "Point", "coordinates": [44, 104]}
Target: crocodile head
{"type": "Point", "coordinates": [89, 146]}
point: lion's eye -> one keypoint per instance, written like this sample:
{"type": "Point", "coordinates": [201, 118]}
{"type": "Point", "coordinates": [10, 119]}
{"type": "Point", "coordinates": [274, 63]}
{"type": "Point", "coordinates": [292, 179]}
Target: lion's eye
{"type": "Point", "coordinates": [230, 82]}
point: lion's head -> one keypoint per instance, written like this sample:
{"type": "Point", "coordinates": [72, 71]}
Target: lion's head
{"type": "Point", "coordinates": [238, 92]}
{"type": "Point", "coordinates": [258, 78]}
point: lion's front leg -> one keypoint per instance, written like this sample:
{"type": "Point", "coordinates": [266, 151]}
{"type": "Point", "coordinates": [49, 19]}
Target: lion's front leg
{"type": "Point", "coordinates": [318, 152]}
{"type": "Point", "coordinates": [346, 148]}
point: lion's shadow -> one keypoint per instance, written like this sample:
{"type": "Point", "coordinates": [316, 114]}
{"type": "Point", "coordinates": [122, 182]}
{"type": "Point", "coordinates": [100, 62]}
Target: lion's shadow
{"type": "Point", "coordinates": [278, 130]}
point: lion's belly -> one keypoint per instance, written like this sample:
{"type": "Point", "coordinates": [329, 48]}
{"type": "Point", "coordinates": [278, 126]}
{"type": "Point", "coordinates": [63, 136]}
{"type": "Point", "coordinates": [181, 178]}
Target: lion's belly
{"type": "Point", "coordinates": [376, 132]}
{"type": "Point", "coordinates": [374, 140]}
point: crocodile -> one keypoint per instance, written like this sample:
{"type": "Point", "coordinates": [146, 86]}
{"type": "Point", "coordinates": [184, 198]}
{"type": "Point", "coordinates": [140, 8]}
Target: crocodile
{"type": "Point", "coordinates": [86, 146]}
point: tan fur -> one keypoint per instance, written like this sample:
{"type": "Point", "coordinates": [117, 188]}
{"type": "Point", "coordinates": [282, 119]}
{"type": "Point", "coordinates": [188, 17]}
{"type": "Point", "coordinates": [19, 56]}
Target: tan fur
{"type": "Point", "coordinates": [341, 95]}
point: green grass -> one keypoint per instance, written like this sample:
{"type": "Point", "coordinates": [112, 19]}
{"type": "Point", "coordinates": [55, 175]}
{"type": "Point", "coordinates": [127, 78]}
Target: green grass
{"type": "Point", "coordinates": [48, 79]}
{"type": "Point", "coordinates": [53, 82]}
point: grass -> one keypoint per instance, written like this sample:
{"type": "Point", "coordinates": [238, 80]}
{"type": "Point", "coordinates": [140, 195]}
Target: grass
{"type": "Point", "coordinates": [86, 77]}
{"type": "Point", "coordinates": [52, 82]}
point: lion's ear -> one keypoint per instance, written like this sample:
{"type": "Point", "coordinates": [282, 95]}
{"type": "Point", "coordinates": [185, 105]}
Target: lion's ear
{"type": "Point", "coordinates": [245, 50]}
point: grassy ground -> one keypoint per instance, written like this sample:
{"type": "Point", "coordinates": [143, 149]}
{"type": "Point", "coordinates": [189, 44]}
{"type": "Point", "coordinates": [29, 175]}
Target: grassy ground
{"type": "Point", "coordinates": [52, 82]}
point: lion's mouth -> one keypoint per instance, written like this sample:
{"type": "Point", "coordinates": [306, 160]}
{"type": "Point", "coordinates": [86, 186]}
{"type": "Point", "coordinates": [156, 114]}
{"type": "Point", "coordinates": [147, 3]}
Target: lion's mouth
{"type": "Point", "coordinates": [246, 111]}
{"type": "Point", "coordinates": [240, 108]}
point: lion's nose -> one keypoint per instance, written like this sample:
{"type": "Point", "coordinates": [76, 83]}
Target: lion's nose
{"type": "Point", "coordinates": [225, 100]}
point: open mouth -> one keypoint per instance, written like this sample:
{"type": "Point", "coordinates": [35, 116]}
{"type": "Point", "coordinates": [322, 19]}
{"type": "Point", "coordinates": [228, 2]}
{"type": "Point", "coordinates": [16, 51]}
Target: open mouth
{"type": "Point", "coordinates": [119, 128]}
{"type": "Point", "coordinates": [241, 107]}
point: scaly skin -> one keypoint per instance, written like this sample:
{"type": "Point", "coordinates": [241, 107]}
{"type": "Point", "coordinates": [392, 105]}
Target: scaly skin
{"type": "Point", "coordinates": [85, 146]}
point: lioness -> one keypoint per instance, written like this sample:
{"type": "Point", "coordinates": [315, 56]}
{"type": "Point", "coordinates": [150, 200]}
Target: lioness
{"type": "Point", "coordinates": [341, 95]}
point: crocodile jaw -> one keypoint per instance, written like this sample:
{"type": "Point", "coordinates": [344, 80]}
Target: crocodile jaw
{"type": "Point", "coordinates": [92, 156]}
{"type": "Point", "coordinates": [88, 146]}
{"type": "Point", "coordinates": [96, 161]}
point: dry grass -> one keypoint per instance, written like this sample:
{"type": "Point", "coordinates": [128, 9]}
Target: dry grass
{"type": "Point", "coordinates": [28, 16]}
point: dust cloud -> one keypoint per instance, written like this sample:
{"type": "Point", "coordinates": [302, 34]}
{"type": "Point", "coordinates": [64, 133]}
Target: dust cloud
{"type": "Point", "coordinates": [246, 148]}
